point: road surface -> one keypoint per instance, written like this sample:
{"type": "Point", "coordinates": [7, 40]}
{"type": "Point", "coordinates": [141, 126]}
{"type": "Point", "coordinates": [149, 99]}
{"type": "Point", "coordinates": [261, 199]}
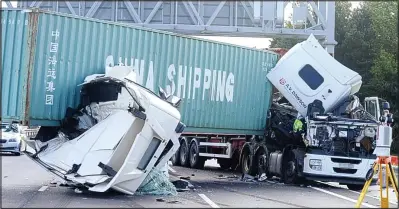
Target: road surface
{"type": "Point", "coordinates": [25, 184]}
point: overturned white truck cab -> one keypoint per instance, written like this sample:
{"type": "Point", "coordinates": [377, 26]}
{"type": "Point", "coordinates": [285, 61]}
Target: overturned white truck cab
{"type": "Point", "coordinates": [339, 136]}
{"type": "Point", "coordinates": [119, 133]}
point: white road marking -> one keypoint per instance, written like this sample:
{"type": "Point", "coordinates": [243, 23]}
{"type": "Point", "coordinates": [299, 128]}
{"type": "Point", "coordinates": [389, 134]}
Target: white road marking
{"type": "Point", "coordinates": [343, 197]}
{"type": "Point", "coordinates": [212, 204]}
{"type": "Point", "coordinates": [377, 198]}
{"type": "Point", "coordinates": [42, 189]}
{"type": "Point", "coordinates": [172, 170]}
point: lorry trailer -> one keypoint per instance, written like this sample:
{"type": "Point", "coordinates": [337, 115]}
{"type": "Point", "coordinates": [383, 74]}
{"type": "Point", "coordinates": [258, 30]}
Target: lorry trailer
{"type": "Point", "coordinates": [223, 88]}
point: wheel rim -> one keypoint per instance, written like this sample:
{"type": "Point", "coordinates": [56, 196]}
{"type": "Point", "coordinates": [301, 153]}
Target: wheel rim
{"type": "Point", "coordinates": [183, 151]}
{"type": "Point", "coordinates": [193, 153]}
{"type": "Point", "coordinates": [246, 163]}
{"type": "Point", "coordinates": [290, 170]}
{"type": "Point", "coordinates": [262, 163]}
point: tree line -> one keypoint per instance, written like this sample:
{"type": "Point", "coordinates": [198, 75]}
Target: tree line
{"type": "Point", "coordinates": [367, 39]}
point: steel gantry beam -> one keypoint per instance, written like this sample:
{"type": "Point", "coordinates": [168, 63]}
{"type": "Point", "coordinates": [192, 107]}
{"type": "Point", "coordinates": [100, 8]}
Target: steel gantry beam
{"type": "Point", "coordinates": [265, 19]}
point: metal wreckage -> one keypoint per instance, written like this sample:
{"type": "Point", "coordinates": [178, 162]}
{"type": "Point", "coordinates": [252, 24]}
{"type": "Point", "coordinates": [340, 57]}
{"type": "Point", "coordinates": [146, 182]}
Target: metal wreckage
{"type": "Point", "coordinates": [121, 137]}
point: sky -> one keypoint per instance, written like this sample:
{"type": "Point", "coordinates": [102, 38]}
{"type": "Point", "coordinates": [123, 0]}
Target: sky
{"type": "Point", "coordinates": [248, 42]}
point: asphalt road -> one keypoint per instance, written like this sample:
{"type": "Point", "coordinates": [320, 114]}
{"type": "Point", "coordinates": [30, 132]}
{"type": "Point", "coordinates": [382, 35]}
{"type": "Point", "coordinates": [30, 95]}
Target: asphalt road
{"type": "Point", "coordinates": [25, 184]}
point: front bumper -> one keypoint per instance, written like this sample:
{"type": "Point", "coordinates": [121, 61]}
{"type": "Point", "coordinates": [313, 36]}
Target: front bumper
{"type": "Point", "coordinates": [10, 147]}
{"type": "Point", "coordinates": [338, 169]}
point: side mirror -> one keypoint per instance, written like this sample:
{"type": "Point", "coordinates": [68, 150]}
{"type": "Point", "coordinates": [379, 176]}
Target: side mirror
{"type": "Point", "coordinates": [174, 100]}
{"type": "Point", "coordinates": [162, 94]}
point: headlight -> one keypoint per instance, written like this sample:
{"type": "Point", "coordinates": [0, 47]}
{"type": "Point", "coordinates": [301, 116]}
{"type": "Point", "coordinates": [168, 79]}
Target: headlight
{"type": "Point", "coordinates": [315, 164]}
{"type": "Point", "coordinates": [12, 140]}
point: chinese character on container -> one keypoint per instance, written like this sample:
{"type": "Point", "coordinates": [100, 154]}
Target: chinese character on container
{"type": "Point", "coordinates": [52, 60]}
{"type": "Point", "coordinates": [51, 73]}
{"type": "Point", "coordinates": [49, 99]}
{"type": "Point", "coordinates": [53, 47]}
{"type": "Point", "coordinates": [50, 86]}
{"type": "Point", "coordinates": [55, 33]}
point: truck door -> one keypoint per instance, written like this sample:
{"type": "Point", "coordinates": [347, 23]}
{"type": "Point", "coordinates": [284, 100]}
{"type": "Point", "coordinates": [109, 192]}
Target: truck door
{"type": "Point", "coordinates": [371, 105]}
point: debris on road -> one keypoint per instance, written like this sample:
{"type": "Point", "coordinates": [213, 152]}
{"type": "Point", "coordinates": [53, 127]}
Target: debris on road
{"type": "Point", "coordinates": [262, 177]}
{"type": "Point", "coordinates": [78, 191]}
{"type": "Point", "coordinates": [173, 202]}
{"type": "Point", "coordinates": [247, 178]}
{"type": "Point", "coordinates": [160, 200]}
{"type": "Point", "coordinates": [185, 177]}
{"type": "Point", "coordinates": [156, 183]}
{"type": "Point", "coordinates": [183, 185]}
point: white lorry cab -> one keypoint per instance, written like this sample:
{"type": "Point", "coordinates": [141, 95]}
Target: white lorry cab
{"type": "Point", "coordinates": [338, 137]}
{"type": "Point", "coordinates": [118, 134]}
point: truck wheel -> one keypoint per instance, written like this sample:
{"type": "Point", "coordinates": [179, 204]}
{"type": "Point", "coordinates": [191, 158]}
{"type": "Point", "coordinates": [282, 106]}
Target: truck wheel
{"type": "Point", "coordinates": [261, 162]}
{"type": "Point", "coordinates": [224, 163]}
{"type": "Point", "coordinates": [355, 187]}
{"type": "Point", "coordinates": [290, 169]}
{"type": "Point", "coordinates": [176, 158]}
{"type": "Point", "coordinates": [246, 162]}
{"type": "Point", "coordinates": [195, 160]}
{"type": "Point", "coordinates": [184, 158]}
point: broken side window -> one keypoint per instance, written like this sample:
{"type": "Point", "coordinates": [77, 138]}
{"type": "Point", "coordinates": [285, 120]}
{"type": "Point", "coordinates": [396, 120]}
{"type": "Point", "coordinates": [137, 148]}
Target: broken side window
{"type": "Point", "coordinates": [99, 92]}
{"type": "Point", "coordinates": [311, 77]}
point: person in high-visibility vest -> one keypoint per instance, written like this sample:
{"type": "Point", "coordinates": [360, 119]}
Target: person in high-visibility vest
{"type": "Point", "coordinates": [298, 124]}
{"type": "Point", "coordinates": [299, 127]}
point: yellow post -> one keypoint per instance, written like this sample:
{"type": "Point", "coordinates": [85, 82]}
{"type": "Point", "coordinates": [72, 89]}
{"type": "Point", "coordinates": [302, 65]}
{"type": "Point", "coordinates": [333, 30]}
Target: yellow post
{"type": "Point", "coordinates": [366, 186]}
{"type": "Point", "coordinates": [384, 198]}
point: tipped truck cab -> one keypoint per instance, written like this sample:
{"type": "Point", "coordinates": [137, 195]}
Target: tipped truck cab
{"type": "Point", "coordinates": [117, 135]}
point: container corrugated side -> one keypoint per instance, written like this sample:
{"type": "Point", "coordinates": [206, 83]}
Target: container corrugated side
{"type": "Point", "coordinates": [14, 61]}
{"type": "Point", "coordinates": [224, 87]}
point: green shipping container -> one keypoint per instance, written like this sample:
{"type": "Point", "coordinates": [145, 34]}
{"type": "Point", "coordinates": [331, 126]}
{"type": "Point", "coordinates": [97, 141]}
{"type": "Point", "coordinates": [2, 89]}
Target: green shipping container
{"type": "Point", "coordinates": [45, 55]}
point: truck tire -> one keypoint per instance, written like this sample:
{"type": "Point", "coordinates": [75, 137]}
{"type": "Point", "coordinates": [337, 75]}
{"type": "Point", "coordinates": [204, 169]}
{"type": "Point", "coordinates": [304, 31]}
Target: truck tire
{"type": "Point", "coordinates": [224, 163]}
{"type": "Point", "coordinates": [290, 169]}
{"type": "Point", "coordinates": [355, 187]}
{"type": "Point", "coordinates": [246, 163]}
{"type": "Point", "coordinates": [184, 153]}
{"type": "Point", "coordinates": [195, 160]}
{"type": "Point", "coordinates": [260, 162]}
{"type": "Point", "coordinates": [176, 158]}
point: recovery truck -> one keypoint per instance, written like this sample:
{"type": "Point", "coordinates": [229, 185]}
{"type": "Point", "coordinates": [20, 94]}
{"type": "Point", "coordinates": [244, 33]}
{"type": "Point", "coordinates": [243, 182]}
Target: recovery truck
{"type": "Point", "coordinates": [339, 133]}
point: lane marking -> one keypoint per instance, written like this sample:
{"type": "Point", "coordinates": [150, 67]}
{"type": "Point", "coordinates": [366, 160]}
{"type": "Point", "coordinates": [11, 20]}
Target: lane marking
{"type": "Point", "coordinates": [343, 197]}
{"type": "Point", "coordinates": [42, 189]}
{"type": "Point", "coordinates": [377, 198]}
{"type": "Point", "coordinates": [172, 170]}
{"type": "Point", "coordinates": [367, 195]}
{"type": "Point", "coordinates": [207, 200]}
